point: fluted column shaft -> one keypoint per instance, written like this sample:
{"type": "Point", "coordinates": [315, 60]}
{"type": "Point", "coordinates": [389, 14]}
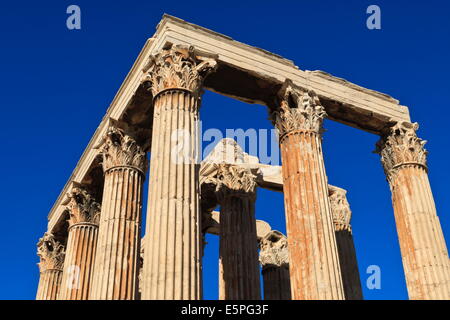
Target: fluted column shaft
{"type": "Point", "coordinates": [423, 248]}
{"type": "Point", "coordinates": [172, 267]}
{"type": "Point", "coordinates": [424, 251]}
{"type": "Point", "coordinates": [49, 284]}
{"type": "Point", "coordinates": [79, 262]}
{"type": "Point", "coordinates": [117, 257]}
{"type": "Point", "coordinates": [51, 254]}
{"type": "Point", "coordinates": [84, 213]}
{"type": "Point", "coordinates": [277, 283]}
{"type": "Point", "coordinates": [238, 248]}
{"type": "Point", "coordinates": [118, 246]}
{"type": "Point", "coordinates": [172, 257]}
{"type": "Point", "coordinates": [340, 209]}
{"type": "Point", "coordinates": [314, 265]}
{"type": "Point", "coordinates": [349, 265]}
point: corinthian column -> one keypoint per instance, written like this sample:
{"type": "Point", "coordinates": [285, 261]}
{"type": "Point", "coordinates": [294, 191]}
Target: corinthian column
{"type": "Point", "coordinates": [172, 257]}
{"type": "Point", "coordinates": [274, 259]}
{"type": "Point", "coordinates": [118, 246]}
{"type": "Point", "coordinates": [344, 240]}
{"type": "Point", "coordinates": [81, 244]}
{"type": "Point", "coordinates": [236, 194]}
{"type": "Point", "coordinates": [424, 252]}
{"type": "Point", "coordinates": [51, 254]}
{"type": "Point", "coordinates": [314, 265]}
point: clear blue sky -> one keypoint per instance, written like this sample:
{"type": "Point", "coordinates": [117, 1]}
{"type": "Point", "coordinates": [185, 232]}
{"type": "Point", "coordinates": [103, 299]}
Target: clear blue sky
{"type": "Point", "coordinates": [56, 85]}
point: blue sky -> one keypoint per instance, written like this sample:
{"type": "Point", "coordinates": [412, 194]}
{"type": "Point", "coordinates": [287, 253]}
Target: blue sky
{"type": "Point", "coordinates": [56, 85]}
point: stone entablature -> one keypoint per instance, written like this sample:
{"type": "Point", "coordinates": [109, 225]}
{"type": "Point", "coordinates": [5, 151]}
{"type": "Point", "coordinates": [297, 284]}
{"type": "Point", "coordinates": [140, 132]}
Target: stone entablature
{"type": "Point", "coordinates": [211, 224]}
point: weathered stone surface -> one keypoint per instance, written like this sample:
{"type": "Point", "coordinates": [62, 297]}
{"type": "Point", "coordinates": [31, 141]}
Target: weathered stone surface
{"type": "Point", "coordinates": [314, 264]}
{"type": "Point", "coordinates": [77, 276]}
{"type": "Point", "coordinates": [401, 146]}
{"type": "Point", "coordinates": [120, 149]}
{"type": "Point", "coordinates": [299, 111]}
{"type": "Point", "coordinates": [227, 181]}
{"type": "Point", "coordinates": [342, 214]}
{"type": "Point", "coordinates": [172, 266]}
{"type": "Point", "coordinates": [178, 67]}
{"type": "Point", "coordinates": [51, 253]}
{"type": "Point", "coordinates": [270, 177]}
{"type": "Point", "coordinates": [235, 188]}
{"type": "Point", "coordinates": [274, 259]}
{"type": "Point", "coordinates": [424, 251]}
{"type": "Point", "coordinates": [118, 245]}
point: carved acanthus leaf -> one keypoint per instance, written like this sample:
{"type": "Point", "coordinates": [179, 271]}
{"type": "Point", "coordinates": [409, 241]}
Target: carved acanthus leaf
{"type": "Point", "coordinates": [178, 67]}
{"type": "Point", "coordinates": [340, 209]}
{"type": "Point", "coordinates": [400, 145]}
{"type": "Point", "coordinates": [120, 149]}
{"type": "Point", "coordinates": [274, 250]}
{"type": "Point", "coordinates": [299, 110]}
{"type": "Point", "coordinates": [82, 207]}
{"type": "Point", "coordinates": [233, 180]}
{"type": "Point", "coordinates": [51, 253]}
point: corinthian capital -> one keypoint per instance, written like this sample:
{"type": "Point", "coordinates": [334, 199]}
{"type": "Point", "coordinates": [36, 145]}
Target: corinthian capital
{"type": "Point", "coordinates": [299, 110]}
{"type": "Point", "coordinates": [274, 251]}
{"type": "Point", "coordinates": [82, 207]}
{"type": "Point", "coordinates": [399, 145]}
{"type": "Point", "coordinates": [234, 181]}
{"type": "Point", "coordinates": [50, 252]}
{"type": "Point", "coordinates": [119, 149]}
{"type": "Point", "coordinates": [178, 67]}
{"type": "Point", "coordinates": [340, 208]}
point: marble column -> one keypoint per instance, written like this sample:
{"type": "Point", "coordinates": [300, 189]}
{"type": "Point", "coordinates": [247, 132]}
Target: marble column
{"type": "Point", "coordinates": [81, 245]}
{"type": "Point", "coordinates": [238, 246]}
{"type": "Point", "coordinates": [51, 254]}
{"type": "Point", "coordinates": [118, 246]}
{"type": "Point", "coordinates": [314, 263]}
{"type": "Point", "coordinates": [172, 257]}
{"type": "Point", "coordinates": [344, 240]}
{"type": "Point", "coordinates": [274, 259]}
{"type": "Point", "coordinates": [423, 248]}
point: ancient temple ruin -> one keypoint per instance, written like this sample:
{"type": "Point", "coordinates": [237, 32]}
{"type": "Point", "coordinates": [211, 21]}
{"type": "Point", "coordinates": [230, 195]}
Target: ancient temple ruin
{"type": "Point", "coordinates": [92, 248]}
